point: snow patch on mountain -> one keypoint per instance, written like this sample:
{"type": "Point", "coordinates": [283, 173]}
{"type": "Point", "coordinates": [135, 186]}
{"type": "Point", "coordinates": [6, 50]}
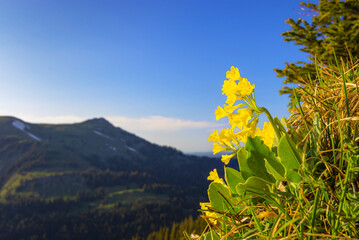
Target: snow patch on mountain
{"type": "Point", "coordinates": [131, 149]}
{"type": "Point", "coordinates": [22, 127]}
{"type": "Point", "coordinates": [101, 134]}
{"type": "Point", "coordinates": [112, 148]}
{"type": "Point", "coordinates": [19, 125]}
{"type": "Point", "coordinates": [34, 137]}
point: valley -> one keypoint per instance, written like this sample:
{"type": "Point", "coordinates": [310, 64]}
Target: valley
{"type": "Point", "coordinates": [55, 177]}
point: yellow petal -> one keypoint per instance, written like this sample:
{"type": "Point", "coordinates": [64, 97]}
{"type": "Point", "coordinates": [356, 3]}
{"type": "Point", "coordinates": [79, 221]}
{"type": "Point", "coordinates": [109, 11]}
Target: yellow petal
{"type": "Point", "coordinates": [226, 158]}
{"type": "Point", "coordinates": [241, 119]}
{"type": "Point", "coordinates": [231, 99]}
{"type": "Point", "coordinates": [213, 176]}
{"type": "Point", "coordinates": [233, 74]}
{"type": "Point", "coordinates": [230, 108]}
{"type": "Point", "coordinates": [267, 214]}
{"type": "Point", "coordinates": [218, 148]}
{"type": "Point", "coordinates": [227, 136]}
{"type": "Point", "coordinates": [248, 131]}
{"type": "Point", "coordinates": [267, 134]}
{"type": "Point", "coordinates": [220, 113]}
{"type": "Point", "coordinates": [214, 136]}
{"type": "Point", "coordinates": [212, 217]}
{"type": "Point", "coordinates": [245, 87]}
{"type": "Point", "coordinates": [205, 205]}
{"type": "Point", "coordinates": [229, 87]}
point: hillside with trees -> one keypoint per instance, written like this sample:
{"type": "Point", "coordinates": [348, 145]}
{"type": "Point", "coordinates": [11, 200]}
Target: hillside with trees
{"type": "Point", "coordinates": [92, 180]}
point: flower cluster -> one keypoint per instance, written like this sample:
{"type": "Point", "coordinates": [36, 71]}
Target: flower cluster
{"type": "Point", "coordinates": [213, 176]}
{"type": "Point", "coordinates": [211, 215]}
{"type": "Point", "coordinates": [243, 117]}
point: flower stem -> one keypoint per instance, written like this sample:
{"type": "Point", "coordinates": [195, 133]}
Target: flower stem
{"type": "Point", "coordinates": [271, 120]}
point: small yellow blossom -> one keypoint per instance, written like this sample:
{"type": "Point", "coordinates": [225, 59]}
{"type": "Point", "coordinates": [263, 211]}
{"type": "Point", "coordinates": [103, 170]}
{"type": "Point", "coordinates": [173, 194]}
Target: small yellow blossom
{"type": "Point", "coordinates": [267, 215]}
{"type": "Point", "coordinates": [223, 140]}
{"type": "Point", "coordinates": [226, 158]}
{"type": "Point", "coordinates": [227, 136]}
{"type": "Point", "coordinates": [241, 119]}
{"type": "Point", "coordinates": [231, 99]}
{"type": "Point", "coordinates": [236, 91]}
{"type": "Point", "coordinates": [213, 176]}
{"type": "Point", "coordinates": [230, 108]}
{"type": "Point", "coordinates": [233, 74]}
{"type": "Point", "coordinates": [218, 148]}
{"type": "Point", "coordinates": [267, 134]}
{"type": "Point", "coordinates": [247, 131]}
{"type": "Point", "coordinates": [220, 113]}
{"type": "Point", "coordinates": [229, 88]}
{"type": "Point", "coordinates": [214, 136]}
{"type": "Point", "coordinates": [245, 87]}
{"type": "Point", "coordinates": [205, 205]}
{"type": "Point", "coordinates": [211, 215]}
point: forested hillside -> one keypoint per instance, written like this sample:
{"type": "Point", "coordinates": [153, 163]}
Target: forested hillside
{"type": "Point", "coordinates": [92, 181]}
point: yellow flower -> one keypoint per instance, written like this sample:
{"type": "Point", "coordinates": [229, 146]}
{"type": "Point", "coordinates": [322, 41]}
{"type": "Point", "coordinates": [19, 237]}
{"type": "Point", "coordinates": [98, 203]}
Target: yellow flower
{"type": "Point", "coordinates": [233, 74]}
{"type": "Point", "coordinates": [247, 131]}
{"type": "Point", "coordinates": [226, 158]}
{"type": "Point", "coordinates": [214, 136]}
{"type": "Point", "coordinates": [267, 134]}
{"type": "Point", "coordinates": [220, 113]}
{"type": "Point", "coordinates": [233, 91]}
{"type": "Point", "coordinates": [218, 148]}
{"type": "Point", "coordinates": [227, 136]}
{"type": "Point", "coordinates": [223, 140]}
{"type": "Point", "coordinates": [236, 91]}
{"type": "Point", "coordinates": [231, 99]}
{"type": "Point", "coordinates": [267, 214]}
{"type": "Point", "coordinates": [211, 215]}
{"type": "Point", "coordinates": [229, 88]}
{"type": "Point", "coordinates": [230, 108]}
{"type": "Point", "coordinates": [245, 87]}
{"type": "Point", "coordinates": [213, 176]}
{"type": "Point", "coordinates": [205, 205]}
{"type": "Point", "coordinates": [241, 119]}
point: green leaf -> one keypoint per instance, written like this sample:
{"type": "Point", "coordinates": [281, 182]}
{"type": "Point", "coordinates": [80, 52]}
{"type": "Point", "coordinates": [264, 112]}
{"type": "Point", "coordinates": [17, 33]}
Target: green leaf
{"type": "Point", "coordinates": [245, 170]}
{"type": "Point", "coordinates": [253, 184]}
{"type": "Point", "coordinates": [272, 163]}
{"type": "Point", "coordinates": [259, 155]}
{"type": "Point", "coordinates": [314, 136]}
{"type": "Point", "coordinates": [212, 235]}
{"type": "Point", "coordinates": [290, 158]}
{"type": "Point", "coordinates": [219, 196]}
{"type": "Point", "coordinates": [233, 177]}
{"type": "Point", "coordinates": [276, 169]}
{"type": "Point", "coordinates": [293, 176]}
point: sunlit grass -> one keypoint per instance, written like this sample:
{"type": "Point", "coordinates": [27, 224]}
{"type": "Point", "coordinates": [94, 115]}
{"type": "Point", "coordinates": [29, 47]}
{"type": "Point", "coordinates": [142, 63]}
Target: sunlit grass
{"type": "Point", "coordinates": [325, 204]}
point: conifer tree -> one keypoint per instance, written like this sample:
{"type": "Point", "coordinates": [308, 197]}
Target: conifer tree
{"type": "Point", "coordinates": [334, 29]}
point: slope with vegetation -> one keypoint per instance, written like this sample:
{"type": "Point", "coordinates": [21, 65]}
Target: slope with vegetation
{"type": "Point", "coordinates": [91, 180]}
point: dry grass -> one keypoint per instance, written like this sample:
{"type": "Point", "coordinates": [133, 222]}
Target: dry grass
{"type": "Point", "coordinates": [325, 205]}
{"type": "Point", "coordinates": [334, 95]}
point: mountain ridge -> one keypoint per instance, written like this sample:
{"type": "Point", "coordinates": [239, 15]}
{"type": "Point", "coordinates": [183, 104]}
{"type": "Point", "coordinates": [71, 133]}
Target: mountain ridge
{"type": "Point", "coordinates": [91, 144]}
{"type": "Point", "coordinates": [110, 181]}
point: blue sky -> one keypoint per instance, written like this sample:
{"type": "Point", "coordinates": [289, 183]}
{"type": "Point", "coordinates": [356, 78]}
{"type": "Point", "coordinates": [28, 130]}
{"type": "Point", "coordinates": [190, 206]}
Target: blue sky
{"type": "Point", "coordinates": [154, 68]}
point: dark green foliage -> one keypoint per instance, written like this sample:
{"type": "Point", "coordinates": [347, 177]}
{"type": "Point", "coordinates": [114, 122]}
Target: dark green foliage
{"type": "Point", "coordinates": [79, 184]}
{"type": "Point", "coordinates": [334, 28]}
{"type": "Point", "coordinates": [56, 220]}
{"type": "Point", "coordinates": [175, 232]}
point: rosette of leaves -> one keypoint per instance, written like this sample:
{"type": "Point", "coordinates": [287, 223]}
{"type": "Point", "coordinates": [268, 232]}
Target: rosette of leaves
{"type": "Point", "coordinates": [262, 170]}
